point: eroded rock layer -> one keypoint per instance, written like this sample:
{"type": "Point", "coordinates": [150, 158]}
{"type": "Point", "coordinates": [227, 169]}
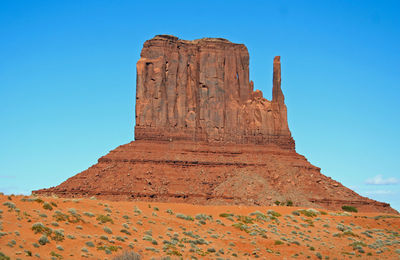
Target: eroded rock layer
{"type": "Point", "coordinates": [200, 91]}
{"type": "Point", "coordinates": [204, 136]}
{"type": "Point", "coordinates": [200, 173]}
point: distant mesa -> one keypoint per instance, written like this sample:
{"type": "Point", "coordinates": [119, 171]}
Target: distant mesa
{"type": "Point", "coordinates": [204, 136]}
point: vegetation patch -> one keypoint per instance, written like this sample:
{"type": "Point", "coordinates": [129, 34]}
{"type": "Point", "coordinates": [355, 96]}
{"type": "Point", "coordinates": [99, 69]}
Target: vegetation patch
{"type": "Point", "coordinates": [349, 208]}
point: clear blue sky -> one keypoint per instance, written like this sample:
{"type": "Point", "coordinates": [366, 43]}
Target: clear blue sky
{"type": "Point", "coordinates": [67, 80]}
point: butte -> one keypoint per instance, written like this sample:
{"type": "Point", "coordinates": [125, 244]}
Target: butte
{"type": "Point", "coordinates": [203, 136]}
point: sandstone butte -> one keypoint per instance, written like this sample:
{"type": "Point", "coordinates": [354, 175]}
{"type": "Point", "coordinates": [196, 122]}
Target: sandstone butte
{"type": "Point", "coordinates": [204, 136]}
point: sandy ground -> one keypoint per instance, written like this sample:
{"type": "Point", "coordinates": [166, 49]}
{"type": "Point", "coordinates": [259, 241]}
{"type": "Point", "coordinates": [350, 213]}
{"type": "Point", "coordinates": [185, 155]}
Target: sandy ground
{"type": "Point", "coordinates": [99, 229]}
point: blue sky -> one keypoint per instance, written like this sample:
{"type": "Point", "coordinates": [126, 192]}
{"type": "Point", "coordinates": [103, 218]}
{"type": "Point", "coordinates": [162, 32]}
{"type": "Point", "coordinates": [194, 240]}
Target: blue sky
{"type": "Point", "coordinates": [67, 80]}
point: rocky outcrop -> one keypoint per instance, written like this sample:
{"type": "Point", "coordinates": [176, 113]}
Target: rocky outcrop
{"type": "Point", "coordinates": [200, 173]}
{"type": "Point", "coordinates": [200, 91]}
{"type": "Point", "coordinates": [204, 136]}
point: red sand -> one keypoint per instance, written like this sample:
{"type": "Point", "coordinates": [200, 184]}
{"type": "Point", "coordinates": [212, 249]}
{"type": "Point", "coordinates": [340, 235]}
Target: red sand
{"type": "Point", "coordinates": [301, 236]}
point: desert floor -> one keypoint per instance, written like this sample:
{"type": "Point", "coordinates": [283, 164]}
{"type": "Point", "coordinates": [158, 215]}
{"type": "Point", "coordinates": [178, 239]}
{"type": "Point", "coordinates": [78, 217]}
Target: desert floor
{"type": "Point", "coordinates": [59, 228]}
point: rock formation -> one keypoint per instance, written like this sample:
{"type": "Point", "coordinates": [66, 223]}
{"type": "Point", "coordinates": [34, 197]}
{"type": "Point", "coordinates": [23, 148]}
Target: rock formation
{"type": "Point", "coordinates": [200, 91]}
{"type": "Point", "coordinates": [204, 136]}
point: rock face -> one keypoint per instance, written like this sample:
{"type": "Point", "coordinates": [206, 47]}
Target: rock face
{"type": "Point", "coordinates": [200, 91]}
{"type": "Point", "coordinates": [204, 136]}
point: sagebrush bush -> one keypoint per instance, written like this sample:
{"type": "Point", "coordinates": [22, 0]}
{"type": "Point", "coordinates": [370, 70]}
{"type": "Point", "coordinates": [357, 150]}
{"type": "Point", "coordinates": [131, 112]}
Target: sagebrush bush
{"type": "Point", "coordinates": [107, 230]}
{"type": "Point", "coordinates": [47, 206]}
{"type": "Point", "coordinates": [42, 229]}
{"type": "Point", "coordinates": [9, 204]}
{"type": "Point", "coordinates": [128, 256]}
{"type": "Point", "coordinates": [89, 214]}
{"type": "Point", "coordinates": [58, 235]}
{"type": "Point", "coordinates": [104, 219]}
{"type": "Point", "coordinates": [59, 216]}
{"type": "Point", "coordinates": [89, 244]}
{"type": "Point", "coordinates": [43, 240]}
{"type": "Point", "coordinates": [182, 216]}
{"type": "Point", "coordinates": [349, 208]}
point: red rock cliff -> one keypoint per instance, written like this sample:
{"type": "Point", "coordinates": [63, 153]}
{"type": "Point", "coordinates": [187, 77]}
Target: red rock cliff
{"type": "Point", "coordinates": [200, 90]}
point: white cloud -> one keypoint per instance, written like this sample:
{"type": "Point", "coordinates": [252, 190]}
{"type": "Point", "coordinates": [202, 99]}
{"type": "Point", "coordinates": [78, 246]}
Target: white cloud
{"type": "Point", "coordinates": [379, 180]}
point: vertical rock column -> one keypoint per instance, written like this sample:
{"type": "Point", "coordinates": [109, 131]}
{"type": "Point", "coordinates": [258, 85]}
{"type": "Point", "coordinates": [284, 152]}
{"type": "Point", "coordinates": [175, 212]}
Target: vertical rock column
{"type": "Point", "coordinates": [277, 94]}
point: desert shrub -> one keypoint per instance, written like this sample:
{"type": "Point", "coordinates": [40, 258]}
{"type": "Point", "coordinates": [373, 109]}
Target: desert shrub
{"type": "Point", "coordinates": [59, 216]}
{"type": "Point", "coordinates": [309, 212]}
{"type": "Point", "coordinates": [273, 213]}
{"type": "Point", "coordinates": [42, 229]}
{"type": "Point", "coordinates": [3, 256]}
{"type": "Point", "coordinates": [128, 256]}
{"type": "Point", "coordinates": [9, 204]}
{"type": "Point", "coordinates": [12, 243]}
{"type": "Point", "coordinates": [107, 230]}
{"type": "Point", "coordinates": [385, 216]}
{"type": "Point", "coordinates": [203, 217]}
{"type": "Point", "coordinates": [89, 214]}
{"type": "Point", "coordinates": [38, 200]}
{"type": "Point", "coordinates": [126, 217]}
{"type": "Point", "coordinates": [357, 245]}
{"type": "Point", "coordinates": [42, 215]}
{"type": "Point", "coordinates": [59, 247]}
{"type": "Point", "coordinates": [349, 208]}
{"type": "Point", "coordinates": [125, 231]}
{"type": "Point", "coordinates": [47, 206]}
{"type": "Point", "coordinates": [241, 226]}
{"type": "Point", "coordinates": [89, 244]}
{"type": "Point", "coordinates": [296, 213]}
{"type": "Point", "coordinates": [182, 216]}
{"type": "Point", "coordinates": [125, 225]}
{"type": "Point", "coordinates": [148, 238]}
{"type": "Point", "coordinates": [340, 227]}
{"type": "Point", "coordinates": [109, 248]}
{"type": "Point", "coordinates": [55, 255]}
{"type": "Point", "coordinates": [151, 249]}
{"type": "Point", "coordinates": [225, 215]}
{"type": "Point", "coordinates": [104, 219]}
{"type": "Point", "coordinates": [43, 240]}
{"type": "Point", "coordinates": [278, 242]}
{"type": "Point", "coordinates": [137, 210]}
{"type": "Point", "coordinates": [58, 235]}
{"type": "Point", "coordinates": [75, 217]}
{"type": "Point", "coordinates": [289, 203]}
{"type": "Point", "coordinates": [169, 211]}
{"type": "Point", "coordinates": [277, 202]}
{"type": "Point", "coordinates": [245, 219]}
